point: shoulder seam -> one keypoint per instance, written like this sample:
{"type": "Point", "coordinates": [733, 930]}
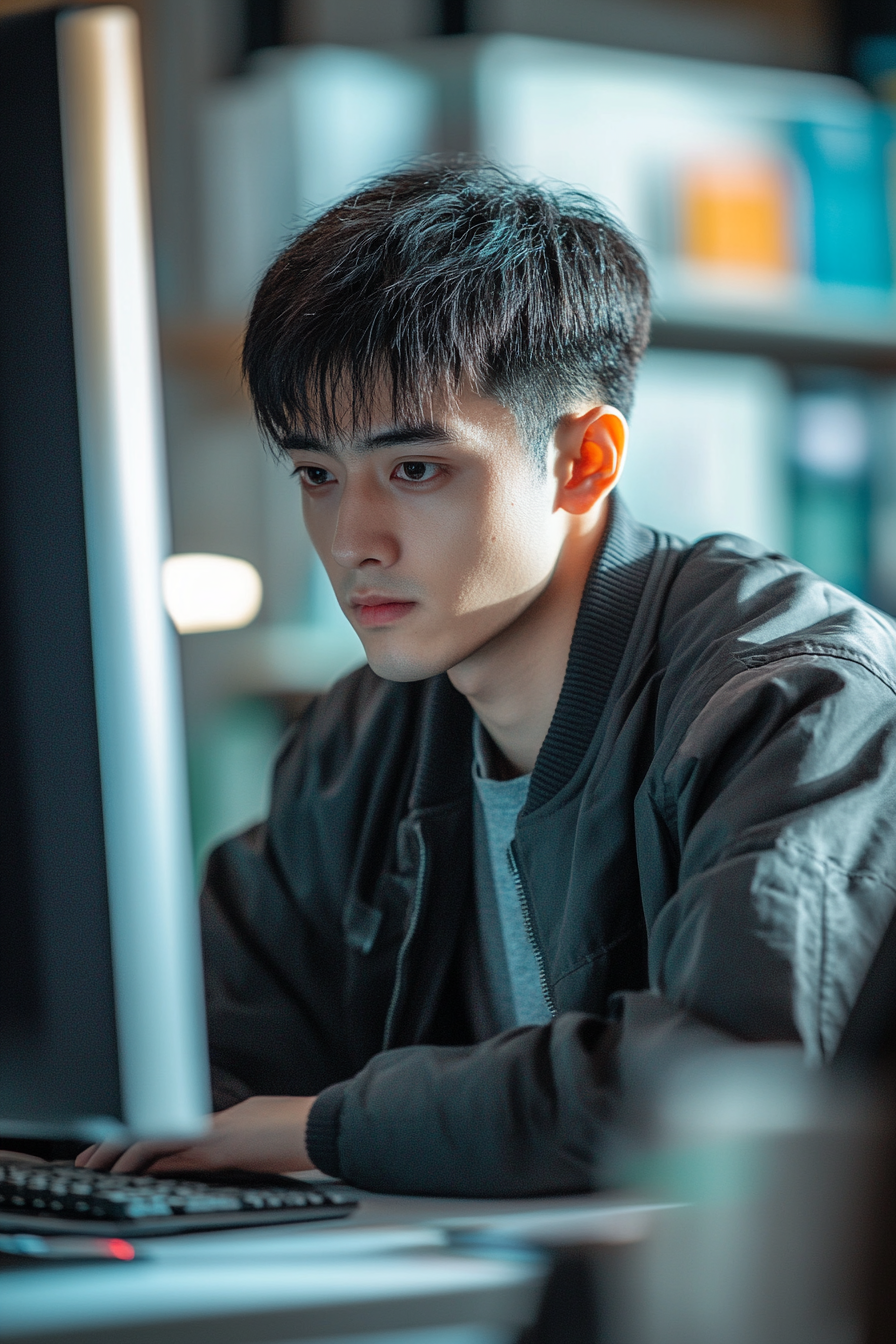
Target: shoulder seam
{"type": "Point", "coordinates": [784, 844]}
{"type": "Point", "coordinates": [808, 650]}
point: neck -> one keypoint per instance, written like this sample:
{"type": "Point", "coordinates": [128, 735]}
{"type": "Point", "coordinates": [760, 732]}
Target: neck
{"type": "Point", "coordinates": [513, 683]}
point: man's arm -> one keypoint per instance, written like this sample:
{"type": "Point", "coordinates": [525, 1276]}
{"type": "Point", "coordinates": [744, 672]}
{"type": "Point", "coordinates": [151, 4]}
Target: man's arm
{"type": "Point", "coordinates": [260, 1134]}
{"type": "Point", "coordinates": [274, 979]}
{"type": "Point", "coordinates": [283, 905]}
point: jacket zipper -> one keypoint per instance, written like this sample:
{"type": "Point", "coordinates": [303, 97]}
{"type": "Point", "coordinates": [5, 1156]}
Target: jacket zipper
{"type": "Point", "coordinates": [530, 931]}
{"type": "Point", "coordinates": [407, 940]}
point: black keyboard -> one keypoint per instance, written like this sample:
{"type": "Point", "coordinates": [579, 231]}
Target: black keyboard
{"type": "Point", "coordinates": [57, 1197]}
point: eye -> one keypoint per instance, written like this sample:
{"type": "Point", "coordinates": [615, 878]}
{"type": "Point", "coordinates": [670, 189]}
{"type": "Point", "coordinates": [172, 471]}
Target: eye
{"type": "Point", "coordinates": [314, 477]}
{"type": "Point", "coordinates": [417, 471]}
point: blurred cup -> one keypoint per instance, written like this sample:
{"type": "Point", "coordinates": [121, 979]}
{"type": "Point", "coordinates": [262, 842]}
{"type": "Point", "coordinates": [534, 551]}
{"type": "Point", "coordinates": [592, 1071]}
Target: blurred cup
{"type": "Point", "coordinates": [768, 1166]}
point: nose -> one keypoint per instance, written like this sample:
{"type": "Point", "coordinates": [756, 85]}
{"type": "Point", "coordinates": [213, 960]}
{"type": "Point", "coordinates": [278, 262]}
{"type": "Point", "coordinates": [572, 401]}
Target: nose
{"type": "Point", "coordinates": [364, 535]}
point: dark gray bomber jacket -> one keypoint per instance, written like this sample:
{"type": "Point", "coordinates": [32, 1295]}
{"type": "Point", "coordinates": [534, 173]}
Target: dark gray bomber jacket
{"type": "Point", "coordinates": [709, 841]}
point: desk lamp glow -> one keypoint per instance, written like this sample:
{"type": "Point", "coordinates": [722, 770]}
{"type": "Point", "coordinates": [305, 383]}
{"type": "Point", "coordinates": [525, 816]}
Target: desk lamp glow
{"type": "Point", "coordinates": [210, 592]}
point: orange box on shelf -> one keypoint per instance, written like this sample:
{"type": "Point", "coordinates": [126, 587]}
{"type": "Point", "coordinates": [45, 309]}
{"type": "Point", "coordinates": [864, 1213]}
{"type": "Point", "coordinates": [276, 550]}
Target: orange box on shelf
{"type": "Point", "coordinates": [736, 215]}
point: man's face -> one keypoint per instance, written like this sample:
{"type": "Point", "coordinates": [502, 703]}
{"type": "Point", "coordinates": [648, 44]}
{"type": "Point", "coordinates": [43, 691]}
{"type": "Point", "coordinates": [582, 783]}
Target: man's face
{"type": "Point", "coordinates": [436, 536]}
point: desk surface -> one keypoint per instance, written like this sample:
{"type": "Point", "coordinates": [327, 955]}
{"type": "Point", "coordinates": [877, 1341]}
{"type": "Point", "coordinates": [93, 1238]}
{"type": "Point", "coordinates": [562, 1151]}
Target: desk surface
{"type": "Point", "coordinates": [395, 1264]}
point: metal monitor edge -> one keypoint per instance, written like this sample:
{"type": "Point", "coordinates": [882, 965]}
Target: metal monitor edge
{"type": "Point", "coordinates": [154, 921]}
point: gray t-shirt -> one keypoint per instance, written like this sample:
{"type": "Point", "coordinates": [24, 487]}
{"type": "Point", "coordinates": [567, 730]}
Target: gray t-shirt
{"type": "Point", "coordinates": [514, 986]}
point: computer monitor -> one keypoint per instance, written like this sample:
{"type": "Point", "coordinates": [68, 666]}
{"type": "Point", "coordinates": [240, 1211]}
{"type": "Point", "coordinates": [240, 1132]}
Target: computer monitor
{"type": "Point", "coordinates": [101, 1018]}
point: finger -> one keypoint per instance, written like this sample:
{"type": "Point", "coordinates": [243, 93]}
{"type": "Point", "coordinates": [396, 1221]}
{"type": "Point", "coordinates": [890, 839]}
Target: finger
{"type": "Point", "coordinates": [190, 1159]}
{"type": "Point", "coordinates": [103, 1155]}
{"type": "Point", "coordinates": [141, 1156]}
{"type": "Point", "coordinates": [83, 1157]}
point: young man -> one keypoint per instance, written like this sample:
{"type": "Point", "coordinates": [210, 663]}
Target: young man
{"type": "Point", "coordinates": [597, 789]}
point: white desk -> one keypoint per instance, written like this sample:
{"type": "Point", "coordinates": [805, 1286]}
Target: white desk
{"type": "Point", "coordinates": [389, 1267]}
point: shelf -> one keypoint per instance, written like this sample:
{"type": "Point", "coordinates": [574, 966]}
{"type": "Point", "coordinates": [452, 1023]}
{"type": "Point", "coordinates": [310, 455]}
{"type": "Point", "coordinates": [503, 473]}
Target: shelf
{"type": "Point", "coordinates": [279, 659]}
{"type": "Point", "coordinates": [276, 659]}
{"type": "Point", "coordinates": [207, 348]}
{"type": "Point", "coordinates": [792, 319]}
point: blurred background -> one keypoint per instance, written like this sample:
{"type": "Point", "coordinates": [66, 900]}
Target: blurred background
{"type": "Point", "coordinates": [750, 147]}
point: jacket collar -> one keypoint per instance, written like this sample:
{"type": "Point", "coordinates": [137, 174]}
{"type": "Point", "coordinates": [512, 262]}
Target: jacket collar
{"type": "Point", "coordinates": [445, 755]}
{"type": "Point", "coordinates": [606, 617]}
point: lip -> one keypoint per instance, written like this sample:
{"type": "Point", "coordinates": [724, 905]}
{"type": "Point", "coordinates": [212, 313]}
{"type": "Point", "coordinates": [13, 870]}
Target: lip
{"type": "Point", "coordinates": [376, 609]}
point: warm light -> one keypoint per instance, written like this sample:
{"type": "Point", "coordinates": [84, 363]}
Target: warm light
{"type": "Point", "coordinates": [210, 592]}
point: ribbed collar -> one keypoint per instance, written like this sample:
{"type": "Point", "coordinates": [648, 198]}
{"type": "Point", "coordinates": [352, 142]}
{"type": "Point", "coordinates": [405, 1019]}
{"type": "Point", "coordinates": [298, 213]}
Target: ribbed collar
{"type": "Point", "coordinates": [603, 629]}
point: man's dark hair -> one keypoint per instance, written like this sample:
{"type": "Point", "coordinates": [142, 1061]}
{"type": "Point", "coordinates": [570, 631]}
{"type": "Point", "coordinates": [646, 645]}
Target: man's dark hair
{"type": "Point", "coordinates": [440, 275]}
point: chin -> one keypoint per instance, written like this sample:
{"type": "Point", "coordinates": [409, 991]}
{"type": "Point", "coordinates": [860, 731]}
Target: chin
{"type": "Point", "coordinates": [404, 665]}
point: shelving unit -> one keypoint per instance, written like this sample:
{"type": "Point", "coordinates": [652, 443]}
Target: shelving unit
{"type": "Point", "coordinates": [206, 349]}
{"type": "Point", "coordinates": [275, 659]}
{"type": "Point", "coordinates": [796, 320]}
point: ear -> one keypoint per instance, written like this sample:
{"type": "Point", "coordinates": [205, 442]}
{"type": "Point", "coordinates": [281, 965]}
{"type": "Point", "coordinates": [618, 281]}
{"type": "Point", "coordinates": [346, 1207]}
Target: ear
{"type": "Point", "coordinates": [590, 452]}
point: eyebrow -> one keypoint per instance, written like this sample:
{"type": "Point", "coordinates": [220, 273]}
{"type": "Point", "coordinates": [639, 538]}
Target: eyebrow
{"type": "Point", "coordinates": [424, 432]}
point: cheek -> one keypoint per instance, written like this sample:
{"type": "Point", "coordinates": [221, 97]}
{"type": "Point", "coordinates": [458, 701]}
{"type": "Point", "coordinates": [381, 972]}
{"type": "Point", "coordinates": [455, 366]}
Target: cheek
{"type": "Point", "coordinates": [498, 551]}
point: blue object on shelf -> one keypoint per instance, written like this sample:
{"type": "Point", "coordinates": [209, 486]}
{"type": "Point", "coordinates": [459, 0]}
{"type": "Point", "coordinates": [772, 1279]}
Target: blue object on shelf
{"type": "Point", "coordinates": [846, 162]}
{"type": "Point", "coordinates": [831, 485]}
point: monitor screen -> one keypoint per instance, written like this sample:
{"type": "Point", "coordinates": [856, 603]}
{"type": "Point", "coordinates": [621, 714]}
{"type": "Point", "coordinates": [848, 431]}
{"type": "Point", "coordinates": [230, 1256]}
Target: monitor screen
{"type": "Point", "coordinates": [101, 1020]}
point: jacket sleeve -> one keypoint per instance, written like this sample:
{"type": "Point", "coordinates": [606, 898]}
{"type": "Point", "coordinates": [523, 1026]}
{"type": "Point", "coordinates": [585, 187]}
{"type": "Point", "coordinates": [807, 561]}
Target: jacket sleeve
{"type": "Point", "coordinates": [776, 793]}
{"type": "Point", "coordinates": [295, 999]}
{"type": "Point", "coordinates": [270, 1019]}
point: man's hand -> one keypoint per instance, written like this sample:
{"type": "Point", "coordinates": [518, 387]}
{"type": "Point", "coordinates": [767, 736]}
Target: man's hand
{"type": "Point", "coordinates": [261, 1134]}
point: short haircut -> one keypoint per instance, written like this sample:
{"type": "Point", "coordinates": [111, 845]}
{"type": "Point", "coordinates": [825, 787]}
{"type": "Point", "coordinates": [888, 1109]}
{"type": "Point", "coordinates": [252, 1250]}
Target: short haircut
{"type": "Point", "coordinates": [440, 275]}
